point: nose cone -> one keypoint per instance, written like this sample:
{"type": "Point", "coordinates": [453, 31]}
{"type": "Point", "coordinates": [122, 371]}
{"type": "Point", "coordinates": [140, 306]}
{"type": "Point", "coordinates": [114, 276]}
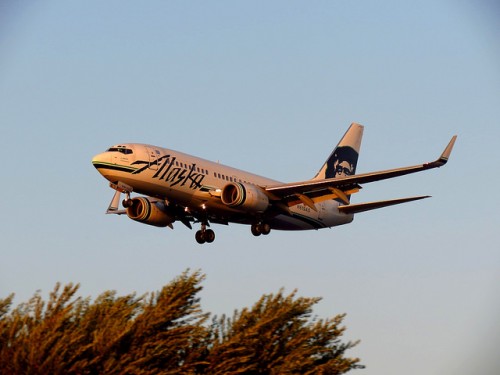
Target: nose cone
{"type": "Point", "coordinates": [101, 160]}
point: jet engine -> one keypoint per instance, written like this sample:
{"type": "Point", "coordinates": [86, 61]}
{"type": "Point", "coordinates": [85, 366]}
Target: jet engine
{"type": "Point", "coordinates": [246, 196]}
{"type": "Point", "coordinates": [149, 211]}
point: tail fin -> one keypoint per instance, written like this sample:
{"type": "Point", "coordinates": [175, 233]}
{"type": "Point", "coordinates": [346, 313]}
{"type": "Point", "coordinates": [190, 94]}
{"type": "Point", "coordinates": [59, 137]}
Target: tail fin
{"type": "Point", "coordinates": [344, 158]}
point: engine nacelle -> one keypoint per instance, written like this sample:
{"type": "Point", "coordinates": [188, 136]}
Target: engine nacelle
{"type": "Point", "coordinates": [246, 196]}
{"type": "Point", "coordinates": [149, 211]}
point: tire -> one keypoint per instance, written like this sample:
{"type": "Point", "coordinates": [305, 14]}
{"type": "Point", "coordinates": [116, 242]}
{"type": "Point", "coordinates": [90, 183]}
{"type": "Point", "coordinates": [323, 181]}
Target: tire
{"type": "Point", "coordinates": [200, 237]}
{"type": "Point", "coordinates": [256, 230]}
{"type": "Point", "coordinates": [265, 229]}
{"type": "Point", "coordinates": [209, 235]}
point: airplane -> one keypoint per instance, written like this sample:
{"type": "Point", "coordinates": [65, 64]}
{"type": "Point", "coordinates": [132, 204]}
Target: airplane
{"type": "Point", "coordinates": [179, 187]}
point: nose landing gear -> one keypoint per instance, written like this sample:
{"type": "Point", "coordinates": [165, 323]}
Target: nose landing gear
{"type": "Point", "coordinates": [127, 202]}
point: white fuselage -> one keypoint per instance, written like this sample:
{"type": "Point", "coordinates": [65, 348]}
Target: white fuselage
{"type": "Point", "coordinates": [192, 182]}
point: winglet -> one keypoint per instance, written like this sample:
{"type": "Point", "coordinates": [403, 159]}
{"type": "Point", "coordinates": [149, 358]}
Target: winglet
{"type": "Point", "coordinates": [447, 151]}
{"type": "Point", "coordinates": [443, 159]}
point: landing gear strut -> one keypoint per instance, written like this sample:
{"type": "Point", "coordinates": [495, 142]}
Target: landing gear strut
{"type": "Point", "coordinates": [205, 235]}
{"type": "Point", "coordinates": [260, 228]}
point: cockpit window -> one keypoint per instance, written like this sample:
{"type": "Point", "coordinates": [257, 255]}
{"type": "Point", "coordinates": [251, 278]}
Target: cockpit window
{"type": "Point", "coordinates": [123, 150]}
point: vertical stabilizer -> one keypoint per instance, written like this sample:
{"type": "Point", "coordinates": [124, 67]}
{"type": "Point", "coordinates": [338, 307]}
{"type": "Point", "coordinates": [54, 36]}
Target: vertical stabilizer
{"type": "Point", "coordinates": [344, 158]}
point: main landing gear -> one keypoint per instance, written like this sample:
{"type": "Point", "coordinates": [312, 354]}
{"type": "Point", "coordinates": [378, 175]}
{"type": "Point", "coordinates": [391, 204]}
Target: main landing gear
{"type": "Point", "coordinates": [205, 235]}
{"type": "Point", "coordinates": [260, 228]}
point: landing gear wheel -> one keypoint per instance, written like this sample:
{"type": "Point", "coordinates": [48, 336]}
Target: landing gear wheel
{"type": "Point", "coordinates": [209, 235]}
{"type": "Point", "coordinates": [265, 229]}
{"type": "Point", "coordinates": [205, 235]}
{"type": "Point", "coordinates": [127, 203]}
{"type": "Point", "coordinates": [200, 237]}
{"type": "Point", "coordinates": [256, 230]}
{"type": "Point", "coordinates": [261, 228]}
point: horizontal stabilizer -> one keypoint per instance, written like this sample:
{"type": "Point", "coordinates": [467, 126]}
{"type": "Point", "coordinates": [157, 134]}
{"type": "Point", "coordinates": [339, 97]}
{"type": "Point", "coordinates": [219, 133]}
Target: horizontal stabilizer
{"type": "Point", "coordinates": [361, 207]}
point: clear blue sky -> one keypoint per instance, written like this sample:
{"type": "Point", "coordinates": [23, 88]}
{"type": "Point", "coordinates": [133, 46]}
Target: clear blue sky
{"type": "Point", "coordinates": [268, 87]}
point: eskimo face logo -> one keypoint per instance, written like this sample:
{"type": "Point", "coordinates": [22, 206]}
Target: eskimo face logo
{"type": "Point", "coordinates": [342, 162]}
{"type": "Point", "coordinates": [173, 173]}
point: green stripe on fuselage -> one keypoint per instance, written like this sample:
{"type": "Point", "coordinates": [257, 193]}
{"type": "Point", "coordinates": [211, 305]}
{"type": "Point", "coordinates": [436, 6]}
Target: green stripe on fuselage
{"type": "Point", "coordinates": [116, 167]}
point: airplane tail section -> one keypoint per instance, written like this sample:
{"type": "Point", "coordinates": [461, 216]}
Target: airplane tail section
{"type": "Point", "coordinates": [344, 158]}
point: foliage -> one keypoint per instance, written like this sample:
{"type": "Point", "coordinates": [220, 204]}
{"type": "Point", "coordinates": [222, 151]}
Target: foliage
{"type": "Point", "coordinates": [167, 333]}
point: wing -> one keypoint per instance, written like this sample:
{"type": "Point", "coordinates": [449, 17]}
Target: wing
{"type": "Point", "coordinates": [314, 191]}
